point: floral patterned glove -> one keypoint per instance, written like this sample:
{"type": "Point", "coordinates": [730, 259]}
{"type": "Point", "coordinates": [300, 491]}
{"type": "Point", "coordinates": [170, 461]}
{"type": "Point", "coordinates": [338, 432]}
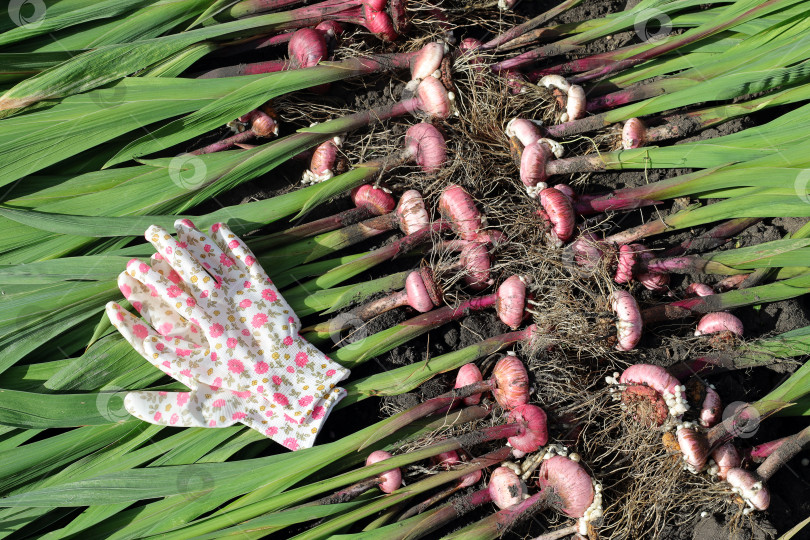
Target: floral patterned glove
{"type": "Point", "coordinates": [215, 322]}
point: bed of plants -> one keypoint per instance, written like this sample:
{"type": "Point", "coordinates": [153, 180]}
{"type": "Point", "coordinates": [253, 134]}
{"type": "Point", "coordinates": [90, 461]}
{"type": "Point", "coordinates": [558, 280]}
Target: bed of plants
{"type": "Point", "coordinates": [556, 252]}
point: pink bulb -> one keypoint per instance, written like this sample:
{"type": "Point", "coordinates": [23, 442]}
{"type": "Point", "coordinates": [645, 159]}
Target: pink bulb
{"type": "Point", "coordinates": [470, 479]}
{"type": "Point", "coordinates": [476, 261]}
{"type": "Point", "coordinates": [719, 322]}
{"type": "Point", "coordinates": [391, 480]}
{"type": "Point", "coordinates": [374, 199]}
{"type": "Point", "coordinates": [655, 377]}
{"type": "Point", "coordinates": [376, 5]}
{"type": "Point", "coordinates": [511, 301]}
{"type": "Point", "coordinates": [469, 44]}
{"type": "Point", "coordinates": [511, 382]}
{"type": "Point", "coordinates": [260, 123]}
{"type": "Point", "coordinates": [424, 142]}
{"type": "Point", "coordinates": [469, 374]}
{"type": "Point", "coordinates": [628, 258]}
{"type": "Point", "coordinates": [628, 323]}
{"type": "Point", "coordinates": [726, 457]}
{"type": "Point", "coordinates": [330, 28]}
{"type": "Point", "coordinates": [569, 485]}
{"type": "Point", "coordinates": [515, 82]}
{"type": "Point", "coordinates": [640, 398]}
{"type": "Point", "coordinates": [427, 60]}
{"type": "Point", "coordinates": [523, 130]}
{"type": "Point", "coordinates": [751, 488]}
{"type": "Point", "coordinates": [698, 289]}
{"type": "Point", "coordinates": [633, 134]}
{"type": "Point", "coordinates": [575, 105]}
{"type": "Point", "coordinates": [492, 237]}
{"type": "Point", "coordinates": [506, 488]}
{"type": "Point", "coordinates": [533, 163]}
{"type": "Point", "coordinates": [653, 281]}
{"type": "Point", "coordinates": [711, 410]}
{"type": "Point", "coordinates": [535, 432]}
{"type": "Point", "coordinates": [418, 297]}
{"type": "Point", "coordinates": [379, 24]}
{"type": "Point", "coordinates": [566, 190]}
{"type": "Point", "coordinates": [560, 213]}
{"type": "Point", "coordinates": [694, 447]}
{"type": "Point", "coordinates": [323, 159]}
{"type": "Point", "coordinates": [446, 459]}
{"type": "Point", "coordinates": [433, 98]}
{"type": "Point", "coordinates": [307, 47]}
{"type": "Point", "coordinates": [587, 250]}
{"type": "Point", "coordinates": [468, 47]}
{"type": "Point", "coordinates": [399, 15]}
{"type": "Point", "coordinates": [458, 207]}
{"type": "Point", "coordinates": [411, 212]}
{"type": "Point", "coordinates": [434, 291]}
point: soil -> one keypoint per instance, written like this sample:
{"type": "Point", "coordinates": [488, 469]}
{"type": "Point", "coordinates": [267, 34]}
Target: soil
{"type": "Point", "coordinates": [663, 344]}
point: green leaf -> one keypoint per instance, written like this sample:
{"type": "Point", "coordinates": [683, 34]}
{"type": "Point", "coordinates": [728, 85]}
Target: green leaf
{"type": "Point", "coordinates": [242, 100]}
{"type": "Point", "coordinates": [109, 63]}
{"type": "Point", "coordinates": [50, 22]}
{"type": "Point", "coordinates": [86, 268]}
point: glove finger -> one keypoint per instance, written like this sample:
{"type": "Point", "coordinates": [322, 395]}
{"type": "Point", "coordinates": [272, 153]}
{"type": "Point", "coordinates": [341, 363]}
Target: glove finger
{"type": "Point", "coordinates": [295, 423]}
{"type": "Point", "coordinates": [130, 327]}
{"type": "Point", "coordinates": [166, 318]}
{"type": "Point", "coordinates": [175, 252]}
{"type": "Point", "coordinates": [156, 312]}
{"type": "Point", "coordinates": [244, 260]}
{"type": "Point", "coordinates": [180, 301]}
{"type": "Point", "coordinates": [179, 409]}
{"type": "Point", "coordinates": [203, 406]}
{"type": "Point", "coordinates": [207, 252]}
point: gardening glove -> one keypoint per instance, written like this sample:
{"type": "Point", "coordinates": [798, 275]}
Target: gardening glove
{"type": "Point", "coordinates": [215, 322]}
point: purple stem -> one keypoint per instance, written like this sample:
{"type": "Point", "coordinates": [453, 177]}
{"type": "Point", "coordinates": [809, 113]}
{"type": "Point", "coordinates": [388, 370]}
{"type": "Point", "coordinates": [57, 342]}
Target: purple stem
{"type": "Point", "coordinates": [253, 7]}
{"type": "Point", "coordinates": [271, 66]}
{"type": "Point", "coordinates": [745, 419]}
{"type": "Point", "coordinates": [225, 144]}
{"type": "Point", "coordinates": [449, 512]}
{"type": "Point", "coordinates": [783, 453]}
{"type": "Point", "coordinates": [426, 408]}
{"type": "Point", "coordinates": [762, 451]}
{"type": "Point", "coordinates": [253, 44]}
{"type": "Point", "coordinates": [313, 228]}
{"type": "Point", "coordinates": [531, 24]}
{"type": "Point", "coordinates": [582, 64]}
{"type": "Point", "coordinates": [348, 493]}
{"type": "Point", "coordinates": [586, 205]}
{"type": "Point", "coordinates": [715, 237]}
{"type": "Point", "coordinates": [669, 46]}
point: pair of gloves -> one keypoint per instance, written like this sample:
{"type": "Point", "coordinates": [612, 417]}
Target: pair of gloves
{"type": "Point", "coordinates": [213, 320]}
